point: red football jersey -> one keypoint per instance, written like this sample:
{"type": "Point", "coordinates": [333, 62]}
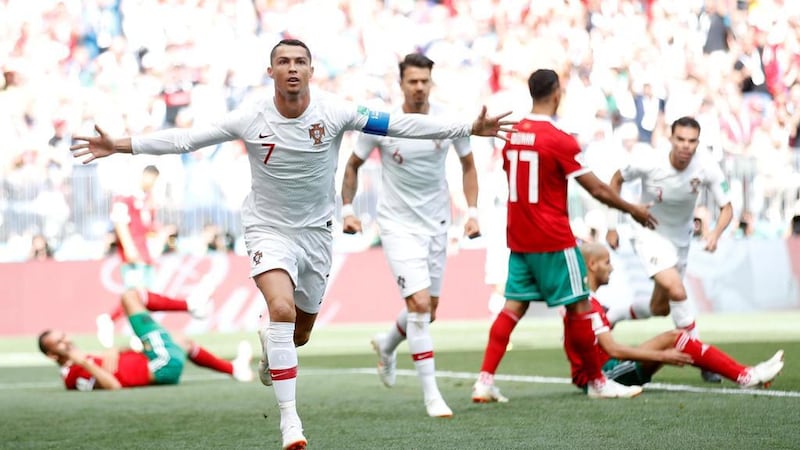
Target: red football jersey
{"type": "Point", "coordinates": [138, 213]}
{"type": "Point", "coordinates": [576, 364]}
{"type": "Point", "coordinates": [538, 159]}
{"type": "Point", "coordinates": [132, 371]}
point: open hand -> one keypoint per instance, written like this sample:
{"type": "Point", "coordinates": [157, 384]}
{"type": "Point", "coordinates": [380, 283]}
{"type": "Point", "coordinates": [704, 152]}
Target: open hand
{"type": "Point", "coordinates": [492, 126]}
{"type": "Point", "coordinates": [95, 146]}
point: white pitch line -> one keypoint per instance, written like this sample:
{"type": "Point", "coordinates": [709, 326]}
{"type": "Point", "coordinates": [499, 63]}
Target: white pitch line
{"type": "Point", "coordinates": [534, 379]}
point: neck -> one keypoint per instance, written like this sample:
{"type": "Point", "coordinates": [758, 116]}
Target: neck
{"type": "Point", "coordinates": [544, 110]}
{"type": "Point", "coordinates": [292, 105]}
{"type": "Point", "coordinates": [672, 162]}
{"type": "Point", "coordinates": [414, 108]}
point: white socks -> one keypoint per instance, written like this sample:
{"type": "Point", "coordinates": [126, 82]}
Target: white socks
{"type": "Point", "coordinates": [282, 356]}
{"type": "Point", "coordinates": [421, 346]}
{"type": "Point", "coordinates": [394, 337]}
{"type": "Point", "coordinates": [683, 316]}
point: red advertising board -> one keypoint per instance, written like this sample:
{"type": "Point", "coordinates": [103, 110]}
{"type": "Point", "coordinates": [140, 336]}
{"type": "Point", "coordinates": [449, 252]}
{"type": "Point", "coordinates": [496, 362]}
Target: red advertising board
{"type": "Point", "coordinates": [69, 295]}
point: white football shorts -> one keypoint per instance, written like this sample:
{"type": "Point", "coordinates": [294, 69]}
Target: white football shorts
{"type": "Point", "coordinates": [304, 254]}
{"type": "Point", "coordinates": [416, 260]}
{"type": "Point", "coordinates": [658, 253]}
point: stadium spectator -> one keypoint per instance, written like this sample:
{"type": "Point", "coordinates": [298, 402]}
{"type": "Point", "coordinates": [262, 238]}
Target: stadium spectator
{"type": "Point", "coordinates": [414, 217]}
{"type": "Point", "coordinates": [635, 366]}
{"type": "Point", "coordinates": [161, 361]}
{"type": "Point", "coordinates": [545, 264]}
{"type": "Point", "coordinates": [40, 248]}
{"type": "Point", "coordinates": [288, 214]}
{"type": "Point", "coordinates": [671, 182]}
{"type": "Point", "coordinates": [65, 59]}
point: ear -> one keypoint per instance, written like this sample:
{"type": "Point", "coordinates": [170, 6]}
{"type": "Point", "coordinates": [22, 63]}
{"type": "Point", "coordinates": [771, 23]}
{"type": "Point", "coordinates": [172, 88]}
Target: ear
{"type": "Point", "coordinates": [269, 72]}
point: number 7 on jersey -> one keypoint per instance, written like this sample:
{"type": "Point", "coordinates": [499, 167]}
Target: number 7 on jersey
{"type": "Point", "coordinates": [515, 158]}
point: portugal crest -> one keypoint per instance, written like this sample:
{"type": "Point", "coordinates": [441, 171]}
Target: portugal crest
{"type": "Point", "coordinates": [695, 184]}
{"type": "Point", "coordinates": [316, 132]}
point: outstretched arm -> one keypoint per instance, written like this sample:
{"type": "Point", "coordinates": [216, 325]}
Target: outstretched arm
{"type": "Point", "coordinates": [162, 142]}
{"type": "Point", "coordinates": [621, 351]}
{"type": "Point", "coordinates": [425, 126]}
{"type": "Point", "coordinates": [608, 196]}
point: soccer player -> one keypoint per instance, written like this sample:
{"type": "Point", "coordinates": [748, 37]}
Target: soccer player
{"type": "Point", "coordinates": [160, 362]}
{"type": "Point", "coordinates": [134, 217]}
{"type": "Point", "coordinates": [671, 182]}
{"type": "Point", "coordinates": [545, 263]}
{"type": "Point", "coordinates": [414, 216]}
{"type": "Point", "coordinates": [292, 140]}
{"type": "Point", "coordinates": [637, 365]}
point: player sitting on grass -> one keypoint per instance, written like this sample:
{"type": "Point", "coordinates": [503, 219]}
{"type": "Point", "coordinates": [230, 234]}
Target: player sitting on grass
{"type": "Point", "coordinates": [161, 361]}
{"type": "Point", "coordinates": [636, 365]}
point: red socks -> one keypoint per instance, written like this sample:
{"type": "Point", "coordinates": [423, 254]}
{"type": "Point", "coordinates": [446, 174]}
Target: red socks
{"type": "Point", "coordinates": [710, 358]}
{"type": "Point", "coordinates": [499, 335]}
{"type": "Point", "coordinates": [579, 336]}
{"type": "Point", "coordinates": [156, 302]}
{"type": "Point", "coordinates": [204, 358]}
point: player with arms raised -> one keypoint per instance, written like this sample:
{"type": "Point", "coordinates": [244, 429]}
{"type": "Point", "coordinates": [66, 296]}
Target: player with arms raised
{"type": "Point", "coordinates": [545, 263]}
{"type": "Point", "coordinates": [292, 141]}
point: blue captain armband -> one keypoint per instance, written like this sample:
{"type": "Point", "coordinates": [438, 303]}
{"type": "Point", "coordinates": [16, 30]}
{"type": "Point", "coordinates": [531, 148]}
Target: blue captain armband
{"type": "Point", "coordinates": [377, 122]}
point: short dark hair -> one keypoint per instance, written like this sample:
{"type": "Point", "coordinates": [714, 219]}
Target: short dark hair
{"type": "Point", "coordinates": [415, 60]}
{"type": "Point", "coordinates": [42, 336]}
{"type": "Point", "coordinates": [685, 121]}
{"type": "Point", "coordinates": [292, 42]}
{"type": "Point", "coordinates": [542, 83]}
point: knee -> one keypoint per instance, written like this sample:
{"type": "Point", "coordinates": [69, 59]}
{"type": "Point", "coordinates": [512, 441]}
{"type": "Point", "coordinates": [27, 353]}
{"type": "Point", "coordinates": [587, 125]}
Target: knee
{"type": "Point", "coordinates": [659, 309]}
{"type": "Point", "coordinates": [419, 302]}
{"type": "Point", "coordinates": [282, 311]}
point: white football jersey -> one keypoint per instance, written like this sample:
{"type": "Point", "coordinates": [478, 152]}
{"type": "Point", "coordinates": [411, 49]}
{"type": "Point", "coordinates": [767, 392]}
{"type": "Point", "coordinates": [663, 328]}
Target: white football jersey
{"type": "Point", "coordinates": [415, 196]}
{"type": "Point", "coordinates": [293, 161]}
{"type": "Point", "coordinates": [674, 193]}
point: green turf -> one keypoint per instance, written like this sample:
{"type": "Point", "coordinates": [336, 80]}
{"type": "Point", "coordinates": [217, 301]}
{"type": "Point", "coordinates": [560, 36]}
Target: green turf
{"type": "Point", "coordinates": [350, 409]}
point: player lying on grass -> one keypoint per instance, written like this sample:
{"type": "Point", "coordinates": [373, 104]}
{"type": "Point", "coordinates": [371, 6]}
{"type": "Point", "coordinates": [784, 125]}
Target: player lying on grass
{"type": "Point", "coordinates": [161, 361]}
{"type": "Point", "coordinates": [637, 365]}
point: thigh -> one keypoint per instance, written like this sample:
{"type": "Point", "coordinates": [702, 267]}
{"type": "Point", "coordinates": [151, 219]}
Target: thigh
{"type": "Point", "coordinates": [437, 260]}
{"type": "Point", "coordinates": [270, 249]}
{"type": "Point", "coordinates": [521, 282]}
{"type": "Point", "coordinates": [407, 255]}
{"type": "Point", "coordinates": [314, 269]}
{"type": "Point", "coordinates": [165, 357]}
{"type": "Point", "coordinates": [562, 277]}
{"type": "Point", "coordinates": [655, 252]}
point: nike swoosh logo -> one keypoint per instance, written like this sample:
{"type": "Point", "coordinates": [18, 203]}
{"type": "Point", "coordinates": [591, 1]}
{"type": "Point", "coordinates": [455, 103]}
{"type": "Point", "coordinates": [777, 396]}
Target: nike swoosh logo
{"type": "Point", "coordinates": [262, 136]}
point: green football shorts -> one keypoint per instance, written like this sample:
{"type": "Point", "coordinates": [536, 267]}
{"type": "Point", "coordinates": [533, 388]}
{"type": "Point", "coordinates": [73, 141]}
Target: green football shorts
{"type": "Point", "coordinates": [558, 278]}
{"type": "Point", "coordinates": [166, 358]}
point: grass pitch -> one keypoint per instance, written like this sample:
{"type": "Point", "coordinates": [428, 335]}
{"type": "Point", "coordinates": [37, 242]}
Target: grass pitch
{"type": "Point", "coordinates": [344, 405]}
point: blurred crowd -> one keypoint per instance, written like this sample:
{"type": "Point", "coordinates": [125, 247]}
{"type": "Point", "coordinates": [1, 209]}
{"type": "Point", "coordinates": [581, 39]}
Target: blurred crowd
{"type": "Point", "coordinates": [629, 67]}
